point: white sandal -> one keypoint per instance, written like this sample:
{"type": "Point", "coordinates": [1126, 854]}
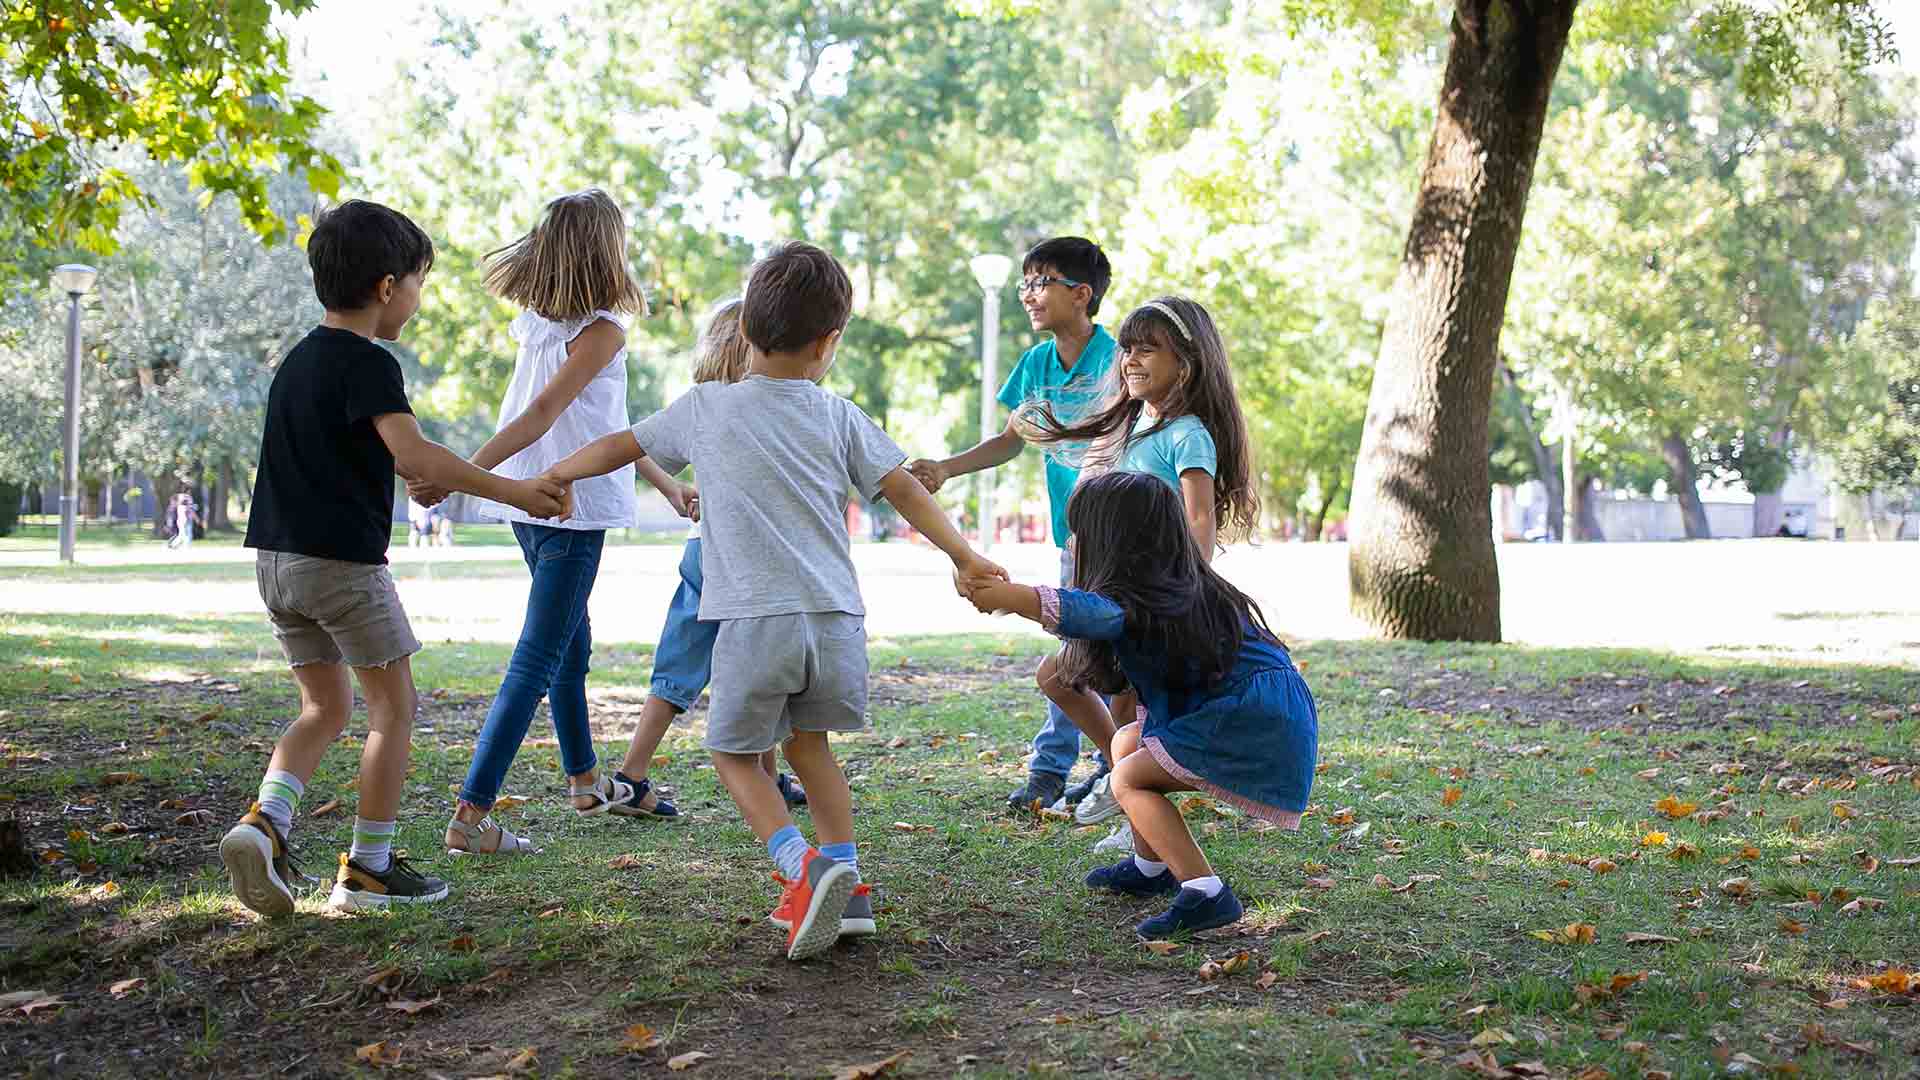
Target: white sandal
{"type": "Point", "coordinates": [605, 792]}
{"type": "Point", "coordinates": [504, 842]}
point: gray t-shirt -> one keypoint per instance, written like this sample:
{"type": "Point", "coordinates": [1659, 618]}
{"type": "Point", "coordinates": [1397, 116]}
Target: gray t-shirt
{"type": "Point", "coordinates": [773, 459]}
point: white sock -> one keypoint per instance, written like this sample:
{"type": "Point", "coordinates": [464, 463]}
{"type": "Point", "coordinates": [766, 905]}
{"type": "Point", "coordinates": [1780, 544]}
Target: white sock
{"type": "Point", "coordinates": [1149, 867]}
{"type": "Point", "coordinates": [279, 797]}
{"type": "Point", "coordinates": [373, 844]}
{"type": "Point", "coordinates": [1210, 885]}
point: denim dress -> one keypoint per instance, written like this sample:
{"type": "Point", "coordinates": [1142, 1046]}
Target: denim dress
{"type": "Point", "coordinates": [1250, 739]}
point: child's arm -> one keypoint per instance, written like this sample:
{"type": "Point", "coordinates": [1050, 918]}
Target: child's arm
{"type": "Point", "coordinates": [684, 499]}
{"type": "Point", "coordinates": [417, 457]}
{"type": "Point", "coordinates": [1196, 487]}
{"type": "Point", "coordinates": [910, 498]}
{"type": "Point", "coordinates": [587, 355]}
{"type": "Point", "coordinates": [1066, 613]}
{"type": "Point", "coordinates": [988, 454]}
{"type": "Point", "coordinates": [998, 597]}
{"type": "Point", "coordinates": [598, 458]}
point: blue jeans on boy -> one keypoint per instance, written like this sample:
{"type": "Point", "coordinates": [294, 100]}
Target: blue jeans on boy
{"type": "Point", "coordinates": [683, 662]}
{"type": "Point", "coordinates": [550, 660]}
{"type": "Point", "coordinates": [1057, 746]}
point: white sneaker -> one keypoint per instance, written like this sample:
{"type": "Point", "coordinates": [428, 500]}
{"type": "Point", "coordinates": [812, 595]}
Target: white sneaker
{"type": "Point", "coordinates": [1059, 805]}
{"type": "Point", "coordinates": [1121, 839]}
{"type": "Point", "coordinates": [1099, 805]}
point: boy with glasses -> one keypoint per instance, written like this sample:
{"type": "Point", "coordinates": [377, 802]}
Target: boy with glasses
{"type": "Point", "coordinates": [1062, 283]}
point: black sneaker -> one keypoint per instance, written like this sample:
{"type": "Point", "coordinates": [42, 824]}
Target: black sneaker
{"type": "Point", "coordinates": [357, 888]}
{"type": "Point", "coordinates": [1078, 793]}
{"type": "Point", "coordinates": [1041, 789]}
{"type": "Point", "coordinates": [791, 790]}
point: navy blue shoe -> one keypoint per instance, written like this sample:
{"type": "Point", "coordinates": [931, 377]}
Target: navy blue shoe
{"type": "Point", "coordinates": [1124, 877]}
{"type": "Point", "coordinates": [635, 806]}
{"type": "Point", "coordinates": [1192, 912]}
{"type": "Point", "coordinates": [791, 790]}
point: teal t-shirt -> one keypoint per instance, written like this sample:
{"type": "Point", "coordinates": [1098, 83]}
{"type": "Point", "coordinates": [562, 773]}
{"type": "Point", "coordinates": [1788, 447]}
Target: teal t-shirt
{"type": "Point", "coordinates": [1072, 394]}
{"type": "Point", "coordinates": [1184, 443]}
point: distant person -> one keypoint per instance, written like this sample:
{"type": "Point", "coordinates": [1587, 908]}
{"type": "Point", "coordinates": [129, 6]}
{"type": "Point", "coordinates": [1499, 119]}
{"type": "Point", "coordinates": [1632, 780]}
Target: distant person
{"type": "Point", "coordinates": [338, 427]}
{"type": "Point", "coordinates": [442, 525]}
{"type": "Point", "coordinates": [419, 523]}
{"type": "Point", "coordinates": [185, 514]}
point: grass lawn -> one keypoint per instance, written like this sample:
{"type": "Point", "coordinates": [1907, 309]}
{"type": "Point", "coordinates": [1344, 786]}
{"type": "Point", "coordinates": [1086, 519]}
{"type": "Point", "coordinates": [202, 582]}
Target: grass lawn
{"type": "Point", "coordinates": [1486, 883]}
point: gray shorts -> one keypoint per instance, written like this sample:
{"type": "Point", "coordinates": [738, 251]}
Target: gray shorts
{"type": "Point", "coordinates": [326, 611]}
{"type": "Point", "coordinates": [778, 674]}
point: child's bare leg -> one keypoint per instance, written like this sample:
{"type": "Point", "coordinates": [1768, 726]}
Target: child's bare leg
{"type": "Point", "coordinates": [829, 799]}
{"type": "Point", "coordinates": [391, 701]}
{"type": "Point", "coordinates": [326, 703]}
{"type": "Point", "coordinates": [1083, 707]}
{"type": "Point", "coordinates": [753, 792]}
{"type": "Point", "coordinates": [656, 716]}
{"type": "Point", "coordinates": [770, 764]}
{"type": "Point", "coordinates": [1159, 832]}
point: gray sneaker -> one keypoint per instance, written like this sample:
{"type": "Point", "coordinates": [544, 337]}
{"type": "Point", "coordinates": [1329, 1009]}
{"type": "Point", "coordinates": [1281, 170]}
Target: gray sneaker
{"type": "Point", "coordinates": [1121, 839]}
{"type": "Point", "coordinates": [1099, 805]}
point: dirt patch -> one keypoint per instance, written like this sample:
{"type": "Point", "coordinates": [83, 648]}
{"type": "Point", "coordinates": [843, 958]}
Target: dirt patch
{"type": "Point", "coordinates": [1640, 704]}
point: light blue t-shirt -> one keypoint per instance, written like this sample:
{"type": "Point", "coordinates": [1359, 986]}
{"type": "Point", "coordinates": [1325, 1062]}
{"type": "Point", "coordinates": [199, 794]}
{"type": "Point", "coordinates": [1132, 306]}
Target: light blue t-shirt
{"type": "Point", "coordinates": [1184, 443]}
{"type": "Point", "coordinates": [1073, 395]}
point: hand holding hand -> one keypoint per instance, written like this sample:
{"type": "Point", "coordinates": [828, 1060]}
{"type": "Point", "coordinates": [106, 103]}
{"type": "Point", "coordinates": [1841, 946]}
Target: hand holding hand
{"type": "Point", "coordinates": [685, 501]}
{"type": "Point", "coordinates": [425, 494]}
{"type": "Point", "coordinates": [545, 497]}
{"type": "Point", "coordinates": [929, 473]}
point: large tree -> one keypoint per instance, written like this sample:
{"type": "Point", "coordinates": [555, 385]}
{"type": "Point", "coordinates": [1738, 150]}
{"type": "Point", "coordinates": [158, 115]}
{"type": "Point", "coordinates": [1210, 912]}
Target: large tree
{"type": "Point", "coordinates": [87, 85]}
{"type": "Point", "coordinates": [1422, 563]}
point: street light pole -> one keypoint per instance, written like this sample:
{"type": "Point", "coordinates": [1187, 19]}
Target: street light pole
{"type": "Point", "coordinates": [75, 279]}
{"type": "Point", "coordinates": [990, 271]}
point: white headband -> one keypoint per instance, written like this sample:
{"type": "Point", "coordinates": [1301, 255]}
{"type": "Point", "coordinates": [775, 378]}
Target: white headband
{"type": "Point", "coordinates": [1171, 317]}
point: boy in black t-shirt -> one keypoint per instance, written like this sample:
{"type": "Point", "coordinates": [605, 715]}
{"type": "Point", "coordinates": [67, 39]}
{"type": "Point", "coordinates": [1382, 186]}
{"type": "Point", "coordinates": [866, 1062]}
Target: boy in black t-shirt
{"type": "Point", "coordinates": [338, 428]}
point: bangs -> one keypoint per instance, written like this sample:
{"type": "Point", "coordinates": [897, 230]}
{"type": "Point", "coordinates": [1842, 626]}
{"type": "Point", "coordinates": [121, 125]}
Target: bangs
{"type": "Point", "coordinates": [1145, 326]}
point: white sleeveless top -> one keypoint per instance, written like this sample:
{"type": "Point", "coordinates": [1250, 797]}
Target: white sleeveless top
{"type": "Point", "coordinates": [599, 502]}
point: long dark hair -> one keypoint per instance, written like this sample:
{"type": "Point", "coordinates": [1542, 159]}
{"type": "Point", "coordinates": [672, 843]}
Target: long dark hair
{"type": "Point", "coordinates": [1131, 545]}
{"type": "Point", "coordinates": [1205, 392]}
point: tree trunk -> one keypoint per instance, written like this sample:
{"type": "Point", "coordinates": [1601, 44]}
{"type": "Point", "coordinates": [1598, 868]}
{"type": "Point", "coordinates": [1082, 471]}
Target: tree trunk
{"type": "Point", "coordinates": [1543, 464]}
{"type": "Point", "coordinates": [1586, 512]}
{"type": "Point", "coordinates": [1422, 562]}
{"type": "Point", "coordinates": [1768, 509]}
{"type": "Point", "coordinates": [1685, 481]}
{"type": "Point", "coordinates": [1317, 526]}
{"type": "Point", "coordinates": [217, 516]}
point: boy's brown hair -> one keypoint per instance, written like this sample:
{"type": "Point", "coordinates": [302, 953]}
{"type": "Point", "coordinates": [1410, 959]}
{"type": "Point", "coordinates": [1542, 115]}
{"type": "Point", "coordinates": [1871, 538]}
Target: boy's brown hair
{"type": "Point", "coordinates": [572, 264]}
{"type": "Point", "coordinates": [797, 295]}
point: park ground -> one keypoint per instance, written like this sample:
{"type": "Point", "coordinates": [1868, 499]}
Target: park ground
{"type": "Point", "coordinates": [1671, 830]}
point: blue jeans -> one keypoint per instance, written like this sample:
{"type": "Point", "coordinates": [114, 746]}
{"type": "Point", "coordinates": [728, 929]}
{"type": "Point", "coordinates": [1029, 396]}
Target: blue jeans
{"type": "Point", "coordinates": [1057, 746]}
{"type": "Point", "coordinates": [683, 662]}
{"type": "Point", "coordinates": [550, 660]}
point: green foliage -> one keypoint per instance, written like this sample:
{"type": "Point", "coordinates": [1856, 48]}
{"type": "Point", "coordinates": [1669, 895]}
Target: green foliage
{"type": "Point", "coordinates": [93, 84]}
{"type": "Point", "coordinates": [1875, 441]}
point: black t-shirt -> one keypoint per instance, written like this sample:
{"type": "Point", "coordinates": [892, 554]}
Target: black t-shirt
{"type": "Point", "coordinates": [325, 486]}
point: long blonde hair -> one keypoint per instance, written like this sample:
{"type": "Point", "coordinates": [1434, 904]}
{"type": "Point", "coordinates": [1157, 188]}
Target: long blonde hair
{"type": "Point", "coordinates": [722, 354]}
{"type": "Point", "coordinates": [572, 264]}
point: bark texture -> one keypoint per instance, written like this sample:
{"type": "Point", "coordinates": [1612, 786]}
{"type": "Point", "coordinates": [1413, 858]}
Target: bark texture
{"type": "Point", "coordinates": [1586, 511]}
{"type": "Point", "coordinates": [1422, 561]}
{"type": "Point", "coordinates": [1684, 479]}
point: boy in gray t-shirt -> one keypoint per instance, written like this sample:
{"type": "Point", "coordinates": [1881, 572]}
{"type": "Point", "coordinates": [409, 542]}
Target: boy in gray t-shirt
{"type": "Point", "coordinates": [775, 456]}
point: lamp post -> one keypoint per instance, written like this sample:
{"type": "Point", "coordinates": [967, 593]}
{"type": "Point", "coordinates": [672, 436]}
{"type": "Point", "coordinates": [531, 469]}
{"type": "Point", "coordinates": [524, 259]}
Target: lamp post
{"type": "Point", "coordinates": [76, 280]}
{"type": "Point", "coordinates": [990, 271]}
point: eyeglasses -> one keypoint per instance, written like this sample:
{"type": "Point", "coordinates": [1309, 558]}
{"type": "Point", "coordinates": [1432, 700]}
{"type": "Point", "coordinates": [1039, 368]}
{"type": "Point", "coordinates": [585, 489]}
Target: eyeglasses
{"type": "Point", "coordinates": [1035, 284]}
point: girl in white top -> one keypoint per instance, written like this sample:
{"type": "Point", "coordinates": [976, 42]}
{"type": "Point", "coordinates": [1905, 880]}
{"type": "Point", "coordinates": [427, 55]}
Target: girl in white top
{"type": "Point", "coordinates": [569, 387]}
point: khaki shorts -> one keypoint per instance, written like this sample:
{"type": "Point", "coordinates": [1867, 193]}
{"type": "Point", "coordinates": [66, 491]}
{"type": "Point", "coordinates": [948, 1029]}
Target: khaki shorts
{"type": "Point", "coordinates": [326, 611]}
{"type": "Point", "coordinates": [778, 674]}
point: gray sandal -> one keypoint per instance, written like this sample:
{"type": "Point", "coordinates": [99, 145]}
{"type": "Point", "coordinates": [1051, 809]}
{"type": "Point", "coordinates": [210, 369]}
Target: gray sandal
{"type": "Point", "coordinates": [478, 836]}
{"type": "Point", "coordinates": [605, 792]}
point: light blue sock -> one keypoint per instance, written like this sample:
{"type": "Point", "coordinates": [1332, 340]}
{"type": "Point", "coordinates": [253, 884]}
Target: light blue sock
{"type": "Point", "coordinates": [372, 844]}
{"type": "Point", "coordinates": [844, 854]}
{"type": "Point", "coordinates": [789, 850]}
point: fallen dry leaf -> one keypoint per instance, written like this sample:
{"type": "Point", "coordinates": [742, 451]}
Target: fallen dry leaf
{"type": "Point", "coordinates": [1861, 904]}
{"type": "Point", "coordinates": [1654, 839]}
{"type": "Point", "coordinates": [1843, 811]}
{"type": "Point", "coordinates": [411, 1007]}
{"type": "Point", "coordinates": [1320, 883]}
{"type": "Point", "coordinates": [1603, 866]}
{"type": "Point", "coordinates": [379, 979]}
{"type": "Point", "coordinates": [508, 802]}
{"type": "Point", "coordinates": [1578, 933]}
{"type": "Point", "coordinates": [463, 943]}
{"type": "Point", "coordinates": [1214, 969]}
{"type": "Point", "coordinates": [125, 986]}
{"type": "Point", "coordinates": [1890, 981]}
{"type": "Point", "coordinates": [378, 1053]}
{"type": "Point", "coordinates": [871, 1069]}
{"type": "Point", "coordinates": [1162, 947]}
{"type": "Point", "coordinates": [1451, 795]}
{"type": "Point", "coordinates": [628, 861]}
{"type": "Point", "coordinates": [1792, 926]}
{"type": "Point", "coordinates": [640, 1037]}
{"type": "Point", "coordinates": [1737, 887]}
{"type": "Point", "coordinates": [897, 742]}
{"type": "Point", "coordinates": [17, 998]}
{"type": "Point", "coordinates": [1749, 853]}
{"type": "Point", "coordinates": [324, 808]}
{"type": "Point", "coordinates": [1492, 1037]}
{"type": "Point", "coordinates": [115, 779]}
{"type": "Point", "coordinates": [687, 1060]}
{"type": "Point", "coordinates": [523, 1061]}
{"type": "Point", "coordinates": [1637, 937]}
{"type": "Point", "coordinates": [1683, 851]}
{"type": "Point", "coordinates": [1673, 808]}
{"type": "Point", "coordinates": [1266, 981]}
{"type": "Point", "coordinates": [1648, 774]}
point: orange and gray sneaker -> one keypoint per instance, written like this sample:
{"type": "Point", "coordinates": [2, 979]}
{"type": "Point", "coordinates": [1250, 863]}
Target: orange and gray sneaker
{"type": "Point", "coordinates": [258, 863]}
{"type": "Point", "coordinates": [811, 907]}
{"type": "Point", "coordinates": [356, 888]}
{"type": "Point", "coordinates": [855, 921]}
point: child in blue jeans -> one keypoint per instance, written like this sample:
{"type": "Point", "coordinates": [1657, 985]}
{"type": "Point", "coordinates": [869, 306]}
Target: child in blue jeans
{"type": "Point", "coordinates": [1227, 712]}
{"type": "Point", "coordinates": [683, 662]}
{"type": "Point", "coordinates": [569, 387]}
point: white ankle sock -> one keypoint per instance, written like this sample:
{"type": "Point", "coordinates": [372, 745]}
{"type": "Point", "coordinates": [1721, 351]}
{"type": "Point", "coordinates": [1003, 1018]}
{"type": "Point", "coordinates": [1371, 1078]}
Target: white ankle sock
{"type": "Point", "coordinates": [1149, 867]}
{"type": "Point", "coordinates": [279, 797]}
{"type": "Point", "coordinates": [373, 844]}
{"type": "Point", "coordinates": [1210, 885]}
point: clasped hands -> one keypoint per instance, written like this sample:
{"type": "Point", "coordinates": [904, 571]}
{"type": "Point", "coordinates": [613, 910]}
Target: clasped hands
{"type": "Point", "coordinates": [975, 580]}
{"type": "Point", "coordinates": [543, 496]}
